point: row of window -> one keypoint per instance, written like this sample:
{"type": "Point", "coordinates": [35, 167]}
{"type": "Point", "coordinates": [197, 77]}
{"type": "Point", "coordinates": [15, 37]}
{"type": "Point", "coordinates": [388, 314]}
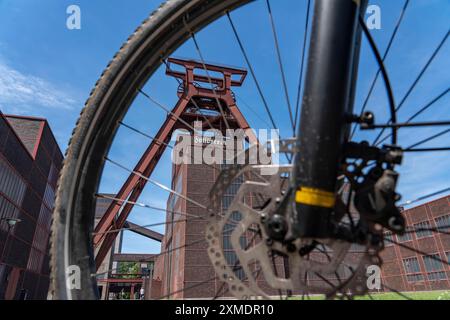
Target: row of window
{"type": "Point", "coordinates": [422, 229]}
{"type": "Point", "coordinates": [232, 188]}
{"type": "Point", "coordinates": [232, 259]}
{"type": "Point", "coordinates": [45, 217]}
{"type": "Point", "coordinates": [53, 174]}
{"type": "Point", "coordinates": [35, 260]}
{"type": "Point", "coordinates": [7, 210]}
{"type": "Point", "coordinates": [40, 238]}
{"type": "Point", "coordinates": [11, 184]}
{"type": "Point", "coordinates": [49, 196]}
{"type": "Point", "coordinates": [434, 268]}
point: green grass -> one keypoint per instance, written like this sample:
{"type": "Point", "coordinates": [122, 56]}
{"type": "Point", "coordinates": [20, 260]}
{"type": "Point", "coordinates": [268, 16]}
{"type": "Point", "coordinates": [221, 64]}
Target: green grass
{"type": "Point", "coordinates": [422, 295]}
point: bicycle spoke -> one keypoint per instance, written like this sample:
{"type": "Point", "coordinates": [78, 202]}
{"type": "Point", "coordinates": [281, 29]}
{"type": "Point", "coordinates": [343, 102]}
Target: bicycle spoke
{"type": "Point", "coordinates": [219, 105]}
{"type": "Point", "coordinates": [427, 139]}
{"type": "Point", "coordinates": [245, 104]}
{"type": "Point", "coordinates": [334, 288]}
{"type": "Point", "coordinates": [258, 87]}
{"type": "Point", "coordinates": [416, 251]}
{"type": "Point", "coordinates": [415, 82]}
{"type": "Point", "coordinates": [157, 255]}
{"type": "Point", "coordinates": [164, 143]}
{"type": "Point", "coordinates": [300, 78]}
{"type": "Point", "coordinates": [280, 65]}
{"type": "Point", "coordinates": [143, 226]}
{"type": "Point", "coordinates": [158, 184]}
{"type": "Point", "coordinates": [424, 197]}
{"type": "Point", "coordinates": [427, 149]}
{"type": "Point", "coordinates": [437, 230]}
{"type": "Point", "coordinates": [145, 134]}
{"type": "Point", "coordinates": [144, 205]}
{"type": "Point", "coordinates": [423, 109]}
{"type": "Point", "coordinates": [386, 52]}
{"type": "Point", "coordinates": [167, 110]}
{"type": "Point", "coordinates": [274, 266]}
{"type": "Point", "coordinates": [384, 74]}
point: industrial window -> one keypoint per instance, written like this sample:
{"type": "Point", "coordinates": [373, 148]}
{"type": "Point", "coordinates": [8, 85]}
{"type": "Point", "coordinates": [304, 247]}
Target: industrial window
{"type": "Point", "coordinates": [443, 222]}
{"type": "Point", "coordinates": [388, 238]}
{"type": "Point", "coordinates": [228, 229]}
{"type": "Point", "coordinates": [405, 237]}
{"type": "Point", "coordinates": [40, 239]}
{"type": "Point", "coordinates": [35, 260]}
{"type": "Point", "coordinates": [432, 262]}
{"type": "Point", "coordinates": [7, 210]}
{"type": "Point", "coordinates": [412, 269]}
{"type": "Point", "coordinates": [172, 201]}
{"type": "Point", "coordinates": [49, 197]}
{"type": "Point", "coordinates": [414, 277]}
{"type": "Point", "coordinates": [11, 184]}
{"type": "Point", "coordinates": [434, 267]}
{"type": "Point", "coordinates": [230, 255]}
{"type": "Point", "coordinates": [232, 189]}
{"type": "Point", "coordinates": [39, 247]}
{"type": "Point", "coordinates": [173, 198]}
{"type": "Point", "coordinates": [227, 199]}
{"type": "Point", "coordinates": [53, 174]}
{"type": "Point", "coordinates": [448, 257]}
{"type": "Point", "coordinates": [435, 276]}
{"type": "Point", "coordinates": [175, 260]}
{"type": "Point", "coordinates": [422, 229]}
{"type": "Point", "coordinates": [179, 185]}
{"type": "Point", "coordinates": [45, 217]}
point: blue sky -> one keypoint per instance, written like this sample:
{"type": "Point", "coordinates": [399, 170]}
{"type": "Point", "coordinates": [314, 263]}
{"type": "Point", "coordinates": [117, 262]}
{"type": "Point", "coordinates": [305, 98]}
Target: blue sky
{"type": "Point", "coordinates": [47, 70]}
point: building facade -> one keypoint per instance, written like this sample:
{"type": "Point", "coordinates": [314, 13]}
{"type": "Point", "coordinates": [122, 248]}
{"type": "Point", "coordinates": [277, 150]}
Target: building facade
{"type": "Point", "coordinates": [30, 160]}
{"type": "Point", "coordinates": [181, 270]}
{"type": "Point", "coordinates": [420, 270]}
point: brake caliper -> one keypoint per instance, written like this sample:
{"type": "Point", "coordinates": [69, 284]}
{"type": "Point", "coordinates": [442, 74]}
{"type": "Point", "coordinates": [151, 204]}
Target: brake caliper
{"type": "Point", "coordinates": [375, 191]}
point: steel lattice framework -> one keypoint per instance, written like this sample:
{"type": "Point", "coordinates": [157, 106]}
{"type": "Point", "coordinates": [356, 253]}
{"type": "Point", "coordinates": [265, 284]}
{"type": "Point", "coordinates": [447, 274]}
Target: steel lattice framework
{"type": "Point", "coordinates": [214, 103]}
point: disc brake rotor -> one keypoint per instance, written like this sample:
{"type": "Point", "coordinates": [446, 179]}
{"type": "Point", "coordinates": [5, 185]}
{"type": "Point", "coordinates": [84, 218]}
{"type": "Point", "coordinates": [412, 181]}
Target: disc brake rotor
{"type": "Point", "coordinates": [249, 261]}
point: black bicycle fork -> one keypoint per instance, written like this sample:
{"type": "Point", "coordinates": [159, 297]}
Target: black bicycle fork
{"type": "Point", "coordinates": [327, 99]}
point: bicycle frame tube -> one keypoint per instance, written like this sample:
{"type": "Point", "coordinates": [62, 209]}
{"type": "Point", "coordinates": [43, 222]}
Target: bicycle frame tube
{"type": "Point", "coordinates": [328, 97]}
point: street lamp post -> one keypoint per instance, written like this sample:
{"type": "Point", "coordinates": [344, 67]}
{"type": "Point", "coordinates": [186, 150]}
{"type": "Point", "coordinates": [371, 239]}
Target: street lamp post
{"type": "Point", "coordinates": [11, 223]}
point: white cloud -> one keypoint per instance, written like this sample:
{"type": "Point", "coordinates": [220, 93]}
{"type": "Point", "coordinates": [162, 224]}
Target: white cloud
{"type": "Point", "coordinates": [21, 92]}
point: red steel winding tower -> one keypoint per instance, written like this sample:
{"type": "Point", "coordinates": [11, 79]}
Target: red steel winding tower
{"type": "Point", "coordinates": [214, 103]}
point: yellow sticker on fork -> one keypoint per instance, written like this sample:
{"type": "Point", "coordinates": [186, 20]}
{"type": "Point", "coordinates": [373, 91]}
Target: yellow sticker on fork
{"type": "Point", "coordinates": [315, 197]}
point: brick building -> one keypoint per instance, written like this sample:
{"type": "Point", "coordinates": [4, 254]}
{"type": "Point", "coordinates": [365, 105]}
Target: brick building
{"type": "Point", "coordinates": [185, 267]}
{"type": "Point", "coordinates": [30, 160]}
{"type": "Point", "coordinates": [406, 270]}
